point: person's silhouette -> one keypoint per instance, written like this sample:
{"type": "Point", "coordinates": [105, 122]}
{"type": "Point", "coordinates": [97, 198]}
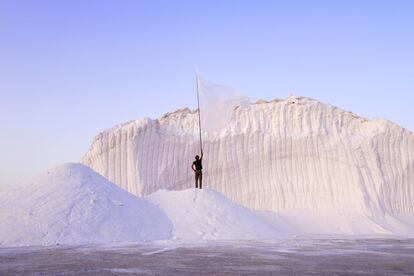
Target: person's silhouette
{"type": "Point", "coordinates": [198, 169]}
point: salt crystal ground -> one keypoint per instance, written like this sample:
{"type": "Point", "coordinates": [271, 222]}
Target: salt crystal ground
{"type": "Point", "coordinates": [281, 257]}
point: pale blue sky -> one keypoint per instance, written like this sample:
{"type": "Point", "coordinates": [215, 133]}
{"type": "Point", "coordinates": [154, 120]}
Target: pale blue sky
{"type": "Point", "coordinates": [70, 69]}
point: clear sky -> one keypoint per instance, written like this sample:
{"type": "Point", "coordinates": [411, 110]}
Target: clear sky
{"type": "Point", "coordinates": [70, 69]}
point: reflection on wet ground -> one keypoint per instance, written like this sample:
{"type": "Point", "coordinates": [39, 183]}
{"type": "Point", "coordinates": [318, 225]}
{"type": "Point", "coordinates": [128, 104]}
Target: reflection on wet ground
{"type": "Point", "coordinates": [289, 256]}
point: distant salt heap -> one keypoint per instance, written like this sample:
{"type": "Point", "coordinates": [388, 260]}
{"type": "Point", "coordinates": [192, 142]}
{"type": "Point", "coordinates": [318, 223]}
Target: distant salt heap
{"type": "Point", "coordinates": [72, 204]}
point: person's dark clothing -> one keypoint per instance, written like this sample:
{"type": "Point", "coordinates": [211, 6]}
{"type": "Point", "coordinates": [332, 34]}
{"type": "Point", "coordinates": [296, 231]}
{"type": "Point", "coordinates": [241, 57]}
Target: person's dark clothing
{"type": "Point", "coordinates": [197, 164]}
{"type": "Point", "coordinates": [198, 173]}
{"type": "Point", "coordinates": [199, 179]}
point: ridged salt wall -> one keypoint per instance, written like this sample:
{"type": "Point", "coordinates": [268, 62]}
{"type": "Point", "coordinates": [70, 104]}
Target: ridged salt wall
{"type": "Point", "coordinates": [296, 153]}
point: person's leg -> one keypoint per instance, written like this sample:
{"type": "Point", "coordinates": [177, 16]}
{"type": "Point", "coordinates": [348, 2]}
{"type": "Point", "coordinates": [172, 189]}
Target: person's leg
{"type": "Point", "coordinates": [201, 179]}
{"type": "Point", "coordinates": [196, 179]}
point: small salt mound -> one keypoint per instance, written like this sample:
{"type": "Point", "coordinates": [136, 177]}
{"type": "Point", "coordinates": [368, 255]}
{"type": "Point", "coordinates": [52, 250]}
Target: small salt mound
{"type": "Point", "coordinates": [72, 204]}
{"type": "Point", "coordinates": [206, 214]}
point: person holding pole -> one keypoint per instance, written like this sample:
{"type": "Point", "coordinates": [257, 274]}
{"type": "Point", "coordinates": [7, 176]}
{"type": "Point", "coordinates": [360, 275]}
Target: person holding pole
{"type": "Point", "coordinates": [198, 170]}
{"type": "Point", "coordinates": [197, 167]}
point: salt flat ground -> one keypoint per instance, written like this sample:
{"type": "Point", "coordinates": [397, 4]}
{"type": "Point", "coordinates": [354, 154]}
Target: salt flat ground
{"type": "Point", "coordinates": [300, 256]}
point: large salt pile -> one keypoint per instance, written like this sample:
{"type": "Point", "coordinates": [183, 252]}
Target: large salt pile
{"type": "Point", "coordinates": [72, 204]}
{"type": "Point", "coordinates": [280, 155]}
{"type": "Point", "coordinates": [288, 156]}
{"type": "Point", "coordinates": [209, 215]}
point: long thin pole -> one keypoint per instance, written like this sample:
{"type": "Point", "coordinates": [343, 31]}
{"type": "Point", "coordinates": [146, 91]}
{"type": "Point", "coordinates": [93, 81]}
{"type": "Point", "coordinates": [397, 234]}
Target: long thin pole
{"type": "Point", "coordinates": [199, 112]}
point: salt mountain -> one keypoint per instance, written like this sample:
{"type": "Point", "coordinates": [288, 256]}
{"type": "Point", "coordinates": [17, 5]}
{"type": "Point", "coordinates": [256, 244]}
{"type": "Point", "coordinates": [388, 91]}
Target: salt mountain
{"type": "Point", "coordinates": [281, 155]}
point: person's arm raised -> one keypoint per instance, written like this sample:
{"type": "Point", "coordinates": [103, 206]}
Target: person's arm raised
{"type": "Point", "coordinates": [201, 154]}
